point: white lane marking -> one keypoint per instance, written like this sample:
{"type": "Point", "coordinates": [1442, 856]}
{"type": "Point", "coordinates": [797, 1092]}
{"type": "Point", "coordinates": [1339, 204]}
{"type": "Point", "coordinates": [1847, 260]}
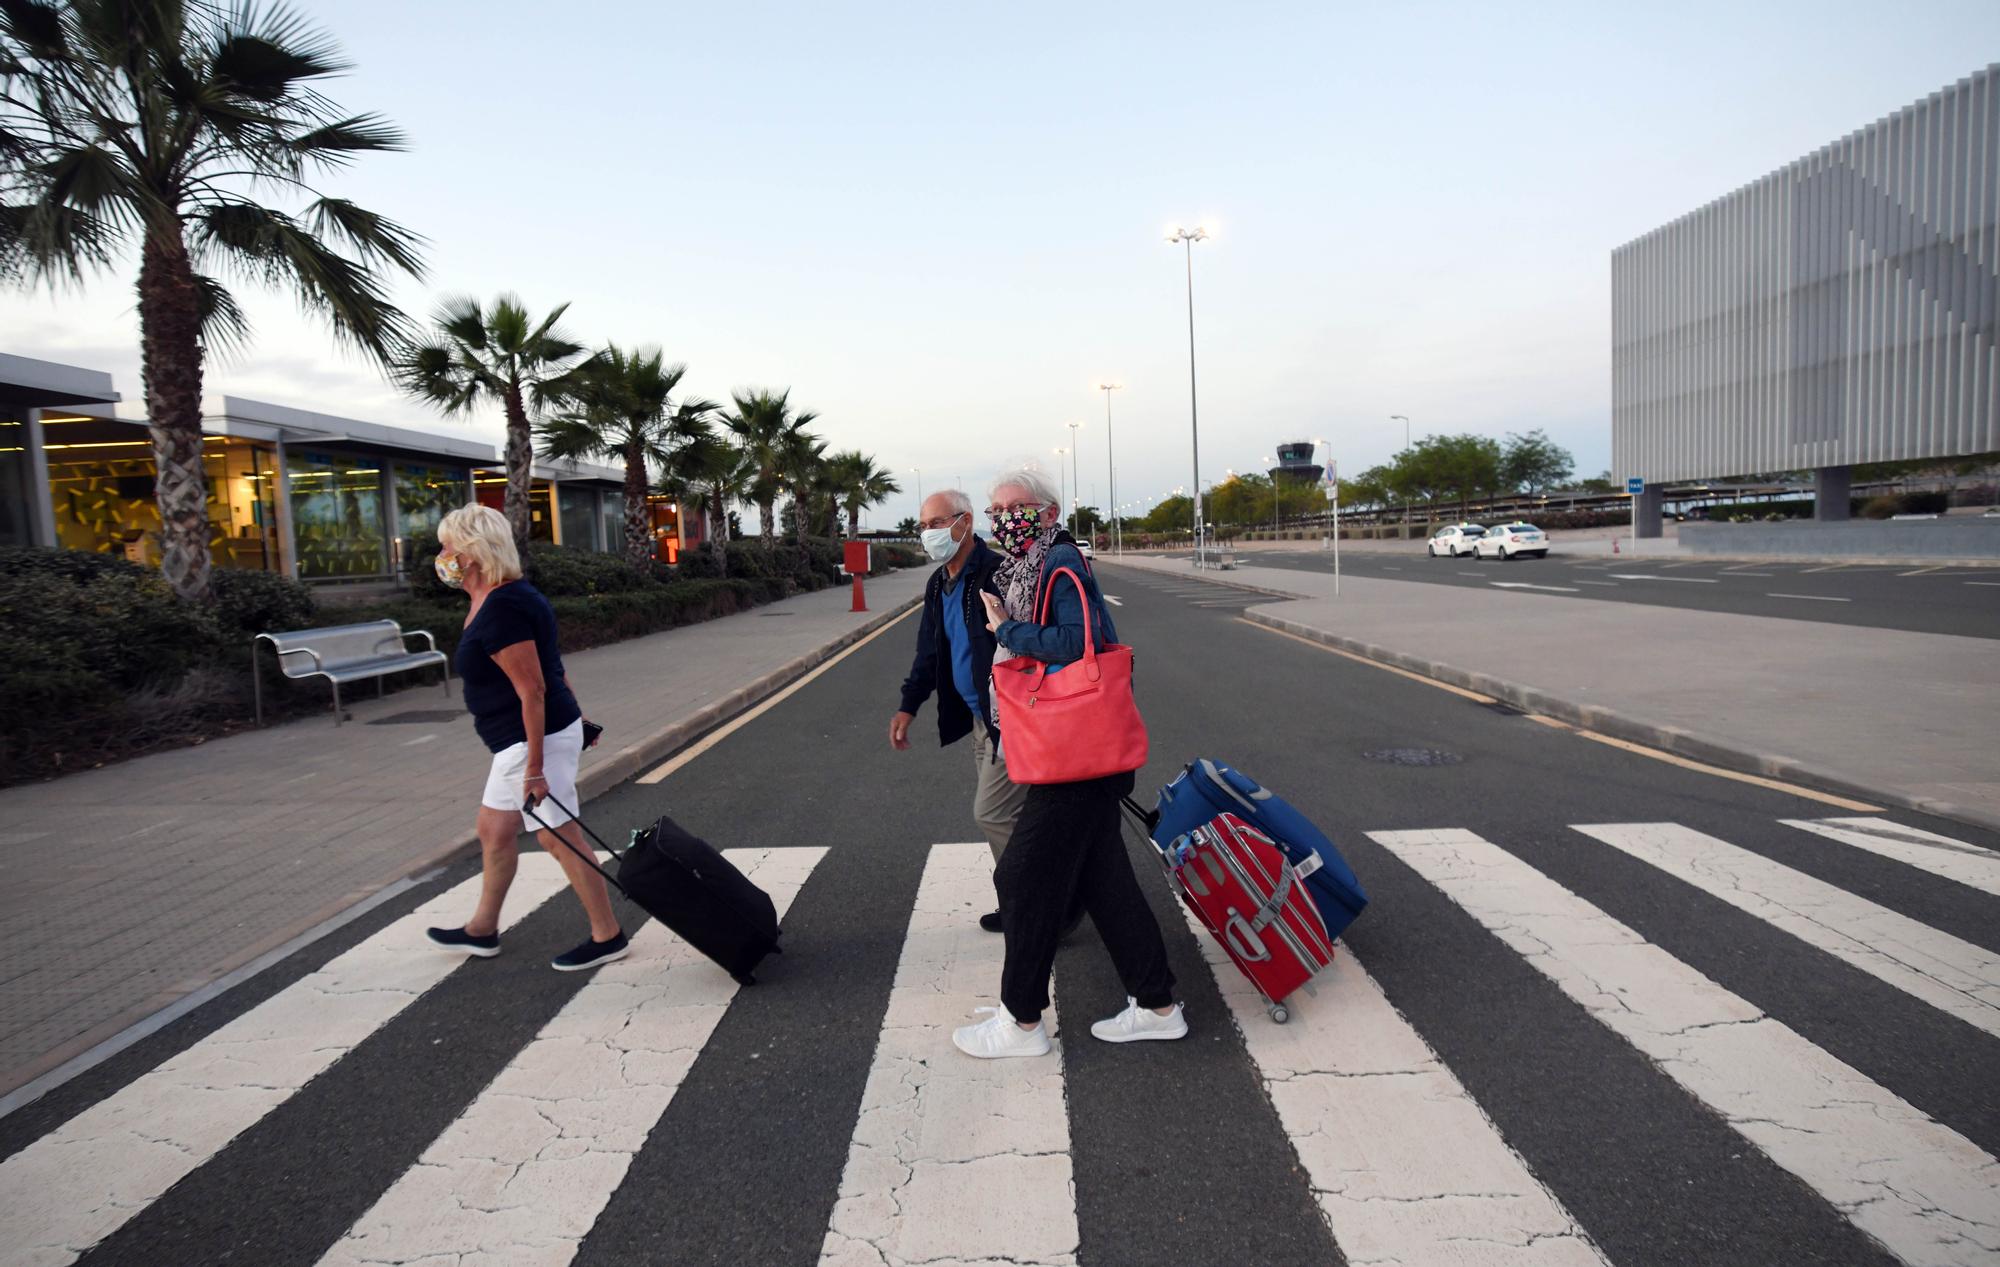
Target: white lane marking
{"type": "Point", "coordinates": [79, 1183]}
{"type": "Point", "coordinates": [1831, 567]}
{"type": "Point", "coordinates": [1406, 1165]}
{"type": "Point", "coordinates": [1682, 580]}
{"type": "Point", "coordinates": [1951, 975]}
{"type": "Point", "coordinates": [527, 1168]}
{"type": "Point", "coordinates": [954, 1159]}
{"type": "Point", "coordinates": [1814, 598]}
{"type": "Point", "coordinates": [1605, 584]}
{"type": "Point", "coordinates": [1927, 851]}
{"type": "Point", "coordinates": [1741, 572]}
{"type": "Point", "coordinates": [1387, 568]}
{"type": "Point", "coordinates": [1995, 584]}
{"type": "Point", "coordinates": [1114, 600]}
{"type": "Point", "coordinates": [1523, 585]}
{"type": "Point", "coordinates": [722, 732]}
{"type": "Point", "coordinates": [1926, 1192]}
{"type": "Point", "coordinates": [1922, 571]}
{"type": "Point", "coordinates": [411, 743]}
{"type": "Point", "coordinates": [1463, 572]}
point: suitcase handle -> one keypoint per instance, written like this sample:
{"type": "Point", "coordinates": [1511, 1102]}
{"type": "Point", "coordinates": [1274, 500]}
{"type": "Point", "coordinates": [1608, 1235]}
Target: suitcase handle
{"type": "Point", "coordinates": [585, 854]}
{"type": "Point", "coordinates": [1239, 928]}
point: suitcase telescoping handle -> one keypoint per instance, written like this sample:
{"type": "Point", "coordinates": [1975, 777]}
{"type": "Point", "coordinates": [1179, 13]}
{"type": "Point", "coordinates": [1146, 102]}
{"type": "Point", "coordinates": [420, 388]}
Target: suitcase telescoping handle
{"type": "Point", "coordinates": [585, 854]}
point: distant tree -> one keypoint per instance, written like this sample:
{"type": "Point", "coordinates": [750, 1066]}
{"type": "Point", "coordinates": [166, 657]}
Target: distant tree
{"type": "Point", "coordinates": [1089, 522]}
{"type": "Point", "coordinates": [766, 432]}
{"type": "Point", "coordinates": [498, 355]}
{"type": "Point", "coordinates": [148, 129]}
{"type": "Point", "coordinates": [1600, 484]}
{"type": "Point", "coordinates": [860, 483]}
{"type": "Point", "coordinates": [620, 406]}
{"type": "Point", "coordinates": [1534, 464]}
{"type": "Point", "coordinates": [907, 526]}
{"type": "Point", "coordinates": [1172, 515]}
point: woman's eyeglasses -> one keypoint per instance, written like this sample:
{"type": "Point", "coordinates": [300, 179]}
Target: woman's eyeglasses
{"type": "Point", "coordinates": [1001, 510]}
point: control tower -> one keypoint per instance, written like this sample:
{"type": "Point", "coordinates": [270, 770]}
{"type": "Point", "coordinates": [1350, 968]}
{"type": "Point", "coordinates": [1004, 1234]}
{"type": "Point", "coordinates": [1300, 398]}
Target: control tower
{"type": "Point", "coordinates": [1295, 463]}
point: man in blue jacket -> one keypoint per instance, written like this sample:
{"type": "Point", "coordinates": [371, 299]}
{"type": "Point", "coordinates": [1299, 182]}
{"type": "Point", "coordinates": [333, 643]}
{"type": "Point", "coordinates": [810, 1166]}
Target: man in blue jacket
{"type": "Point", "coordinates": [955, 659]}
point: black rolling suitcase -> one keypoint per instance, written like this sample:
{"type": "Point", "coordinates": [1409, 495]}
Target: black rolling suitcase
{"type": "Point", "coordinates": [683, 882]}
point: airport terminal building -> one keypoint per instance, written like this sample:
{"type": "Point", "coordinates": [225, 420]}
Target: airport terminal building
{"type": "Point", "coordinates": [1841, 310]}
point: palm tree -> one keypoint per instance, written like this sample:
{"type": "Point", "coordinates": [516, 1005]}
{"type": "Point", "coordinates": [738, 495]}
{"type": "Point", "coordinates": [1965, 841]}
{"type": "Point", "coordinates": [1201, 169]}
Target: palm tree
{"type": "Point", "coordinates": [152, 124]}
{"type": "Point", "coordinates": [765, 427]}
{"type": "Point", "coordinates": [715, 475]}
{"type": "Point", "coordinates": [806, 478]}
{"type": "Point", "coordinates": [859, 484]}
{"type": "Point", "coordinates": [620, 405]}
{"type": "Point", "coordinates": [501, 354]}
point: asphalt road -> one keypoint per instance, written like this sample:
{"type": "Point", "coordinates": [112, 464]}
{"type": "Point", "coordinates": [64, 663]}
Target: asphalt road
{"type": "Point", "coordinates": [1918, 597]}
{"type": "Point", "coordinates": [1179, 1151]}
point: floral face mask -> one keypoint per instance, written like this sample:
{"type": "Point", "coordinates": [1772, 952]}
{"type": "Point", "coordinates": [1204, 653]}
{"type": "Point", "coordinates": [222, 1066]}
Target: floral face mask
{"type": "Point", "coordinates": [450, 570]}
{"type": "Point", "coordinates": [1015, 528]}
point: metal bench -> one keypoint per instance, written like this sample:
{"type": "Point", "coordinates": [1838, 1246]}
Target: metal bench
{"type": "Point", "coordinates": [1216, 558]}
{"type": "Point", "coordinates": [346, 653]}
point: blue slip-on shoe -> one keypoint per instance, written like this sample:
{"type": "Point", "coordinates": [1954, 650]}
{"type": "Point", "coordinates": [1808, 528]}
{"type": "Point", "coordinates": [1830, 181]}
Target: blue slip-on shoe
{"type": "Point", "coordinates": [592, 954]}
{"type": "Point", "coordinates": [458, 939]}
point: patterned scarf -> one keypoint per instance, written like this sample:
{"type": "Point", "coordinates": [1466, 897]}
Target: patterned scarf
{"type": "Point", "coordinates": [1017, 579]}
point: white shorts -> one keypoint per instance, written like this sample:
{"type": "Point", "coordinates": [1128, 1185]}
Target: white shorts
{"type": "Point", "coordinates": [560, 753]}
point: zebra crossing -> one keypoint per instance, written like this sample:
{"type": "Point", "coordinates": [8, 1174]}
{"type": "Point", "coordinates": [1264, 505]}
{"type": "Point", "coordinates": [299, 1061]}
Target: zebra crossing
{"type": "Point", "coordinates": [959, 1161]}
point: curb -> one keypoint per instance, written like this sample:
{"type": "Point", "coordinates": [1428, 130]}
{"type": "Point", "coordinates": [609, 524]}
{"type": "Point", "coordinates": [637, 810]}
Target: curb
{"type": "Point", "coordinates": [106, 1039]}
{"type": "Point", "coordinates": [1605, 721]}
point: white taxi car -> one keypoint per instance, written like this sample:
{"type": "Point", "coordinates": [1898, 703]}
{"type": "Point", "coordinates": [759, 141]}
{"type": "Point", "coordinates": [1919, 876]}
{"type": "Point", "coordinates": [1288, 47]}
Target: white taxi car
{"type": "Point", "coordinates": [1511, 541]}
{"type": "Point", "coordinates": [1456, 540]}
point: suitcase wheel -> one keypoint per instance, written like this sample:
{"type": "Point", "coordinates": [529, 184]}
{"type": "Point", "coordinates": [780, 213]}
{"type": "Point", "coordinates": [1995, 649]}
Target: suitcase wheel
{"type": "Point", "coordinates": [1280, 1013]}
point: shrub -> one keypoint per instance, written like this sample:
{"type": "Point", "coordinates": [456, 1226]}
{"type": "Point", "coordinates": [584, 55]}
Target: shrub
{"type": "Point", "coordinates": [703, 563]}
{"type": "Point", "coordinates": [69, 565]}
{"type": "Point", "coordinates": [250, 603]}
{"type": "Point", "coordinates": [1880, 507]}
{"type": "Point", "coordinates": [561, 572]}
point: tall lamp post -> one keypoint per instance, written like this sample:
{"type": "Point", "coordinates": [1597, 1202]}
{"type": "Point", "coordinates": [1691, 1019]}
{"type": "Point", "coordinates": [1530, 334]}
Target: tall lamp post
{"type": "Point", "coordinates": [1187, 238]}
{"type": "Point", "coordinates": [1111, 471]}
{"type": "Point", "coordinates": [1272, 462]}
{"type": "Point", "coordinates": [1062, 478]}
{"type": "Point", "coordinates": [1404, 419]}
{"type": "Point", "coordinates": [1333, 492]}
{"type": "Point", "coordinates": [1075, 481]}
{"type": "Point", "coordinates": [919, 473]}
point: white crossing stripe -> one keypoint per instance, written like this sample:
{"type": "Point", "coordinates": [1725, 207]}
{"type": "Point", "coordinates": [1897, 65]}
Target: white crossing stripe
{"type": "Point", "coordinates": [524, 1172]}
{"type": "Point", "coordinates": [79, 1183]}
{"type": "Point", "coordinates": [1951, 975]}
{"type": "Point", "coordinates": [1407, 1167]}
{"type": "Point", "coordinates": [1682, 580]}
{"type": "Point", "coordinates": [1925, 1192]}
{"type": "Point", "coordinates": [954, 1159]}
{"type": "Point", "coordinates": [1927, 851]}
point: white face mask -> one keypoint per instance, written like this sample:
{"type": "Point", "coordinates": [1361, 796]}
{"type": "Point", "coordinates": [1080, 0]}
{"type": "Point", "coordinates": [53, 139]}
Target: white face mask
{"type": "Point", "coordinates": [939, 543]}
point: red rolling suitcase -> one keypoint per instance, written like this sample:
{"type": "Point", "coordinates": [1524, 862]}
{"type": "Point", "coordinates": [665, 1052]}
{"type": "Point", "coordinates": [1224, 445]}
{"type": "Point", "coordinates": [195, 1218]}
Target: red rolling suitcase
{"type": "Point", "coordinates": [1254, 902]}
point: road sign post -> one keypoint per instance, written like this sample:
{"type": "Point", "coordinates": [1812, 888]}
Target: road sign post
{"type": "Point", "coordinates": [1635, 485]}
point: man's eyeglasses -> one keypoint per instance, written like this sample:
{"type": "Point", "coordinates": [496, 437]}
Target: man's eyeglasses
{"type": "Point", "coordinates": [931, 525]}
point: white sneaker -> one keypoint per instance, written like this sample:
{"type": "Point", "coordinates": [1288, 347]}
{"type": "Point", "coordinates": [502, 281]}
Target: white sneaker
{"type": "Point", "coordinates": [1136, 1023]}
{"type": "Point", "coordinates": [1000, 1035]}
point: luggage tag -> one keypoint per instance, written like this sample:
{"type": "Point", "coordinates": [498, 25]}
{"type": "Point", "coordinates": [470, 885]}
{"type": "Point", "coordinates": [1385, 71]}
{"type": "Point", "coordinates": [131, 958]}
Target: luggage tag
{"type": "Point", "coordinates": [1310, 865]}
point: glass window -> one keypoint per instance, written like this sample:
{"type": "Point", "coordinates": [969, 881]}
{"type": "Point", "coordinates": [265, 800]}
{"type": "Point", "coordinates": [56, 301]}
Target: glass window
{"type": "Point", "coordinates": [337, 514]}
{"type": "Point", "coordinates": [579, 518]}
{"type": "Point", "coordinates": [17, 527]}
{"type": "Point", "coordinates": [425, 495]}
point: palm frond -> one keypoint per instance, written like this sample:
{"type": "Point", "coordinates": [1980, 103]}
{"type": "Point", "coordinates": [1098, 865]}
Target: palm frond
{"type": "Point", "coordinates": [336, 143]}
{"type": "Point", "coordinates": [373, 237]}
{"type": "Point", "coordinates": [223, 325]}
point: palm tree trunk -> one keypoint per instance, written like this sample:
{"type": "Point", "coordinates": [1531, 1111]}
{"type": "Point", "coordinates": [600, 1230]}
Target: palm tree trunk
{"type": "Point", "coordinates": [520, 467]}
{"type": "Point", "coordinates": [767, 520]}
{"type": "Point", "coordinates": [638, 540]}
{"type": "Point", "coordinates": [170, 343]}
{"type": "Point", "coordinates": [853, 521]}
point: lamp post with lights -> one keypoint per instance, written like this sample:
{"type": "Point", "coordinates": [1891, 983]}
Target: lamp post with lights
{"type": "Point", "coordinates": [1187, 238]}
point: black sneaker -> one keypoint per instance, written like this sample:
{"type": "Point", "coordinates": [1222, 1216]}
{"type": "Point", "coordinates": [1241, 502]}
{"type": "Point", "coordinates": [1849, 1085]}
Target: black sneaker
{"type": "Point", "coordinates": [991, 923]}
{"type": "Point", "coordinates": [458, 939]}
{"type": "Point", "coordinates": [592, 954]}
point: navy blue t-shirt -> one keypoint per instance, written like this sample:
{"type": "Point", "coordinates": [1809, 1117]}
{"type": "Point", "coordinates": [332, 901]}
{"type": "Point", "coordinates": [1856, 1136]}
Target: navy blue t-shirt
{"type": "Point", "coordinates": [515, 612]}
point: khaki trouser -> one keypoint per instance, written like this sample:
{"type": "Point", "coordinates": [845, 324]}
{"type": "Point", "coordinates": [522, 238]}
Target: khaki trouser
{"type": "Point", "coordinates": [997, 801]}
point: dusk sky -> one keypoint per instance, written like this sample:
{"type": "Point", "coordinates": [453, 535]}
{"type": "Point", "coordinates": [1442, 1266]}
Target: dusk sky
{"type": "Point", "coordinates": [941, 225]}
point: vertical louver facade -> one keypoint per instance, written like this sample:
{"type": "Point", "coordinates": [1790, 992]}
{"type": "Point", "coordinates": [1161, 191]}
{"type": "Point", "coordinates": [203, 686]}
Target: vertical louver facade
{"type": "Point", "coordinates": [1840, 310]}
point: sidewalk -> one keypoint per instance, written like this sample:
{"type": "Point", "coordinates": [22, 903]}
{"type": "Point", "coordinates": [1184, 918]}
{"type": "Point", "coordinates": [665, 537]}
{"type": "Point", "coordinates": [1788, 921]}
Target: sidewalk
{"type": "Point", "coordinates": [131, 887]}
{"type": "Point", "coordinates": [1903, 718]}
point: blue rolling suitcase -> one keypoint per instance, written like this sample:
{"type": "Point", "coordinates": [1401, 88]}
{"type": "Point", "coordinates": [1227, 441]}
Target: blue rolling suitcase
{"type": "Point", "coordinates": [1208, 788]}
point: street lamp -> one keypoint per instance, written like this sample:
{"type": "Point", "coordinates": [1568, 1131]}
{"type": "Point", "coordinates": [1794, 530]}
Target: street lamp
{"type": "Point", "coordinates": [1404, 419]}
{"type": "Point", "coordinates": [1075, 480]}
{"type": "Point", "coordinates": [1062, 477]}
{"type": "Point", "coordinates": [918, 472]}
{"type": "Point", "coordinates": [1187, 238]}
{"type": "Point", "coordinates": [1111, 470]}
{"type": "Point", "coordinates": [1274, 496]}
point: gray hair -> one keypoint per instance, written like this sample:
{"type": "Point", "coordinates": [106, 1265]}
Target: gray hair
{"type": "Point", "coordinates": [1032, 478]}
{"type": "Point", "coordinates": [956, 499]}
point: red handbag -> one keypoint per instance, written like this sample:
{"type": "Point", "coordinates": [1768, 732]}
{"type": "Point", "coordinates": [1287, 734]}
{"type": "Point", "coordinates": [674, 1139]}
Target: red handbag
{"type": "Point", "coordinates": [1081, 723]}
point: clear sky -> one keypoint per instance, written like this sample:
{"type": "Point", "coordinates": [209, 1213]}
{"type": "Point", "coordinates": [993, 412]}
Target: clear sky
{"type": "Point", "coordinates": [940, 225]}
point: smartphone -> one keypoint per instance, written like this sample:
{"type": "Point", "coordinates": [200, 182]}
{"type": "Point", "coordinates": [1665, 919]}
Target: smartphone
{"type": "Point", "coordinates": [591, 732]}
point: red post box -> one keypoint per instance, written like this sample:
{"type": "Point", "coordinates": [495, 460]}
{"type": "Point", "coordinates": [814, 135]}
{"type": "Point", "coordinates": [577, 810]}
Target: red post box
{"type": "Point", "coordinates": [856, 564]}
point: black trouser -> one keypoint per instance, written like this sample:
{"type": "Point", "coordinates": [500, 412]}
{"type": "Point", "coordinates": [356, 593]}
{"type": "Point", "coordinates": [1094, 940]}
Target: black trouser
{"type": "Point", "coordinates": [1067, 845]}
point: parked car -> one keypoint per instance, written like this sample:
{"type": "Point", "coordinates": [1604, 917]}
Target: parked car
{"type": "Point", "coordinates": [1083, 547]}
{"type": "Point", "coordinates": [1456, 540]}
{"type": "Point", "coordinates": [1511, 541]}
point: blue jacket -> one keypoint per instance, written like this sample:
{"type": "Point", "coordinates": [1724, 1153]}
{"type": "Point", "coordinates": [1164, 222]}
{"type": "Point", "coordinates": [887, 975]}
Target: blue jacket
{"type": "Point", "coordinates": [931, 670]}
{"type": "Point", "coordinates": [1061, 640]}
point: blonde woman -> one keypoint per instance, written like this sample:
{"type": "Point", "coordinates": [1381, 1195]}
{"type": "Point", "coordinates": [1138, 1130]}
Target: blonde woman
{"type": "Point", "coordinates": [510, 664]}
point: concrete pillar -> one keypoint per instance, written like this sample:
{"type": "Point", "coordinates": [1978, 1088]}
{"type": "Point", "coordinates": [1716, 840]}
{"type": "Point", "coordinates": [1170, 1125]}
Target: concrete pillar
{"type": "Point", "coordinates": [1832, 487]}
{"type": "Point", "coordinates": [1646, 508]}
{"type": "Point", "coordinates": [43, 510]}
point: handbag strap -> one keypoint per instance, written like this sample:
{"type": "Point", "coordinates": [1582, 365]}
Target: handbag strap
{"type": "Point", "coordinates": [1091, 670]}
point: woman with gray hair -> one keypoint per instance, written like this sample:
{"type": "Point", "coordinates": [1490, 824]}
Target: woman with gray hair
{"type": "Point", "coordinates": [1067, 844]}
{"type": "Point", "coordinates": [510, 665]}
